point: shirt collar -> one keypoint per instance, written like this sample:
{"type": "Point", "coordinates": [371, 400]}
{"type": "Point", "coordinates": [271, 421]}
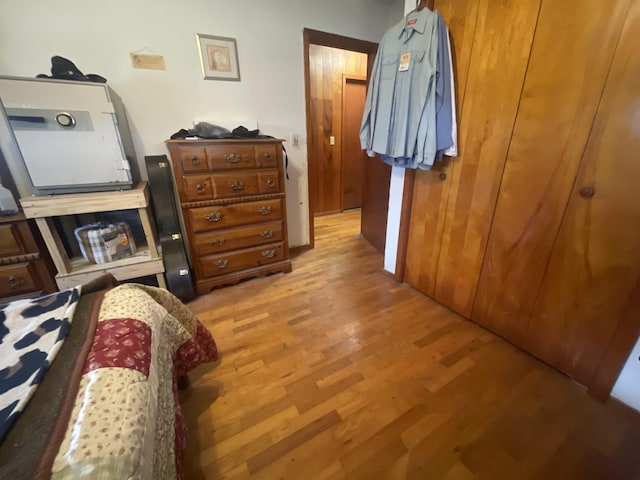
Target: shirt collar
{"type": "Point", "coordinates": [415, 21]}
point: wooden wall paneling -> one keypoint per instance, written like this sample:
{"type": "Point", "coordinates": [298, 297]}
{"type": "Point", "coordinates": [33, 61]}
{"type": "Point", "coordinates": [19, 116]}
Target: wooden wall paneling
{"type": "Point", "coordinates": [329, 166]}
{"type": "Point", "coordinates": [595, 264]}
{"type": "Point", "coordinates": [327, 65]}
{"type": "Point", "coordinates": [502, 44]}
{"type": "Point", "coordinates": [572, 52]}
{"type": "Point", "coordinates": [431, 189]}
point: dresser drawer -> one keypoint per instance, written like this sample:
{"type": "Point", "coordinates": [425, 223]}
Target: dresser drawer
{"type": "Point", "coordinates": [17, 278]}
{"type": "Point", "coordinates": [266, 156]}
{"type": "Point", "coordinates": [192, 159]}
{"type": "Point", "coordinates": [198, 187]}
{"type": "Point", "coordinates": [222, 216]}
{"type": "Point", "coordinates": [268, 181]}
{"type": "Point", "coordinates": [16, 239]}
{"type": "Point", "coordinates": [236, 238]}
{"type": "Point", "coordinates": [224, 156]}
{"type": "Point", "coordinates": [234, 184]}
{"type": "Point", "coordinates": [213, 265]}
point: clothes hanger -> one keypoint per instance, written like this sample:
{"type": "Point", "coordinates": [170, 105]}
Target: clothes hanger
{"type": "Point", "coordinates": [420, 4]}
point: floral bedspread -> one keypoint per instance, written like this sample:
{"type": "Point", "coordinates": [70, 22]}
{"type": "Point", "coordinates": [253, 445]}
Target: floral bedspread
{"type": "Point", "coordinates": [126, 421]}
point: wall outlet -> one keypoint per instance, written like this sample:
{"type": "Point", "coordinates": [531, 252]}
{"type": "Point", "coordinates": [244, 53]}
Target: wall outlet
{"type": "Point", "coordinates": [332, 140]}
{"type": "Point", "coordinates": [295, 140]}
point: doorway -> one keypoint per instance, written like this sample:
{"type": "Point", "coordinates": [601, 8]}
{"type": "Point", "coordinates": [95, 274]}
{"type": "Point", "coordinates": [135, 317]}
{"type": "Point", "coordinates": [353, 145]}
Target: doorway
{"type": "Point", "coordinates": [336, 69]}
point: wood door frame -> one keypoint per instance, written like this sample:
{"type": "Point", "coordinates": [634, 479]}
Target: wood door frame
{"type": "Point", "coordinates": [325, 39]}
{"type": "Point", "coordinates": [345, 78]}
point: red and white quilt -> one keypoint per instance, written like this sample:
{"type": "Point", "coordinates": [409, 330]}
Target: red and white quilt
{"type": "Point", "coordinates": [126, 421]}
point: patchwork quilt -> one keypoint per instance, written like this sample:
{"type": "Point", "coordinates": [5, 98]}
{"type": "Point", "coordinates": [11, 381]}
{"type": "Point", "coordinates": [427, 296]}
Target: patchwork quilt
{"type": "Point", "coordinates": [119, 415]}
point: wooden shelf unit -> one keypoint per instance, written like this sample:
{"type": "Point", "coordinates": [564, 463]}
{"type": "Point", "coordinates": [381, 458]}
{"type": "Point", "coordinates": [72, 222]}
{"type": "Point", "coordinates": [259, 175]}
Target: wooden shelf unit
{"type": "Point", "coordinates": [72, 272]}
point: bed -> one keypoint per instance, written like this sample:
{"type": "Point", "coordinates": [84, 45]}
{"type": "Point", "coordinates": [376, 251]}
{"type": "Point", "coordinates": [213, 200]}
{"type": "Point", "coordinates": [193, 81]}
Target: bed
{"type": "Point", "coordinates": [88, 382]}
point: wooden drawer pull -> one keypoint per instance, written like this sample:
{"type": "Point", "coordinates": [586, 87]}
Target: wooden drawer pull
{"type": "Point", "coordinates": [264, 211]}
{"type": "Point", "coordinates": [221, 263]}
{"type": "Point", "coordinates": [201, 189]}
{"type": "Point", "coordinates": [195, 160]}
{"type": "Point", "coordinates": [266, 234]}
{"type": "Point", "coordinates": [271, 183]}
{"type": "Point", "coordinates": [268, 253]}
{"type": "Point", "coordinates": [267, 155]}
{"type": "Point", "coordinates": [214, 217]}
{"type": "Point", "coordinates": [217, 243]}
{"type": "Point", "coordinates": [232, 158]}
{"type": "Point", "coordinates": [15, 282]}
{"type": "Point", "coordinates": [237, 186]}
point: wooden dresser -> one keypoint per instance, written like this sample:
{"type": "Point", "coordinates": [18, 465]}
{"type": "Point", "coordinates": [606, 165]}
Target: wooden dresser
{"type": "Point", "coordinates": [233, 203]}
{"type": "Point", "coordinates": [24, 270]}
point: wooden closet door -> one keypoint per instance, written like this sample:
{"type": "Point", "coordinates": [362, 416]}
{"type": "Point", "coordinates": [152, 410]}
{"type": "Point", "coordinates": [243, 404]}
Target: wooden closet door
{"type": "Point", "coordinates": [572, 51]}
{"type": "Point", "coordinates": [431, 189]}
{"type": "Point", "coordinates": [500, 52]}
{"type": "Point", "coordinates": [595, 264]}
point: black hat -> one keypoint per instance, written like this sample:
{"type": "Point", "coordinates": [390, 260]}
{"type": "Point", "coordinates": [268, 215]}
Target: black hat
{"type": "Point", "coordinates": [64, 69]}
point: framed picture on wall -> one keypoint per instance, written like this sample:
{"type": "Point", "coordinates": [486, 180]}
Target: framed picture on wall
{"type": "Point", "coordinates": [218, 57]}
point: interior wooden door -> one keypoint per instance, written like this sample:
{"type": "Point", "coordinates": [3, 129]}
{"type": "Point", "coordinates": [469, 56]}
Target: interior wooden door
{"type": "Point", "coordinates": [354, 93]}
{"type": "Point", "coordinates": [570, 59]}
{"type": "Point", "coordinates": [431, 188]}
{"type": "Point", "coordinates": [375, 202]}
{"type": "Point", "coordinates": [500, 53]}
{"type": "Point", "coordinates": [595, 265]}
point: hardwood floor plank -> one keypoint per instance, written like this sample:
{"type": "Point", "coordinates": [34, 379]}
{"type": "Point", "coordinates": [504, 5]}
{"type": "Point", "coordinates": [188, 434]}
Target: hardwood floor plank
{"type": "Point", "coordinates": [277, 450]}
{"type": "Point", "coordinates": [335, 371]}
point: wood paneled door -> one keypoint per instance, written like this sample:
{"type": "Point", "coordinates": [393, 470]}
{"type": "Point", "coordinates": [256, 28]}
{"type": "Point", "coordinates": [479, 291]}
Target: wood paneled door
{"type": "Point", "coordinates": [575, 41]}
{"type": "Point", "coordinates": [533, 231]}
{"type": "Point", "coordinates": [595, 264]}
{"type": "Point", "coordinates": [354, 93]}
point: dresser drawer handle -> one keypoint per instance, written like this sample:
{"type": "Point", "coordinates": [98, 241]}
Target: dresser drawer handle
{"type": "Point", "coordinates": [268, 253]}
{"type": "Point", "coordinates": [195, 160]}
{"type": "Point", "coordinates": [201, 189]}
{"type": "Point", "coordinates": [15, 282]}
{"type": "Point", "coordinates": [264, 211]}
{"type": "Point", "coordinates": [214, 217]}
{"type": "Point", "coordinates": [237, 186]}
{"type": "Point", "coordinates": [232, 158]}
{"type": "Point", "coordinates": [271, 183]}
{"type": "Point", "coordinates": [266, 234]}
{"type": "Point", "coordinates": [267, 155]}
{"type": "Point", "coordinates": [221, 263]}
{"type": "Point", "coordinates": [217, 243]}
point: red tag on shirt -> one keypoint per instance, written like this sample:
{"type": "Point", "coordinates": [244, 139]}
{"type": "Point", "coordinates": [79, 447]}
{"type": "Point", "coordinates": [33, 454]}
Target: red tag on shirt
{"type": "Point", "coordinates": [413, 21]}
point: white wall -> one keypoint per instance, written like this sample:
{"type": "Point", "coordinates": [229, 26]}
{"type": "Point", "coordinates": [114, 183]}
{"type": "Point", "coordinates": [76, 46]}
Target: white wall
{"type": "Point", "coordinates": [99, 36]}
{"type": "Point", "coordinates": [396, 192]}
{"type": "Point", "coordinates": [627, 387]}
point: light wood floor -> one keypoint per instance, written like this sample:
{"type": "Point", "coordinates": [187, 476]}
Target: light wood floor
{"type": "Point", "coordinates": [336, 371]}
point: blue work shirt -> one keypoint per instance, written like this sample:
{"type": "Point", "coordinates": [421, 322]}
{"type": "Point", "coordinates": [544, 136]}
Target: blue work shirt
{"type": "Point", "coordinates": [399, 114]}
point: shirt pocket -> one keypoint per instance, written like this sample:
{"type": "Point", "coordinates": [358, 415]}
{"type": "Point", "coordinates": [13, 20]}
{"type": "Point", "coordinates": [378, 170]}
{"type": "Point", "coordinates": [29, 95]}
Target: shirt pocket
{"type": "Point", "coordinates": [389, 67]}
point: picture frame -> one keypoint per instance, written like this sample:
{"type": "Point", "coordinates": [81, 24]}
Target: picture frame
{"type": "Point", "coordinates": [218, 57]}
